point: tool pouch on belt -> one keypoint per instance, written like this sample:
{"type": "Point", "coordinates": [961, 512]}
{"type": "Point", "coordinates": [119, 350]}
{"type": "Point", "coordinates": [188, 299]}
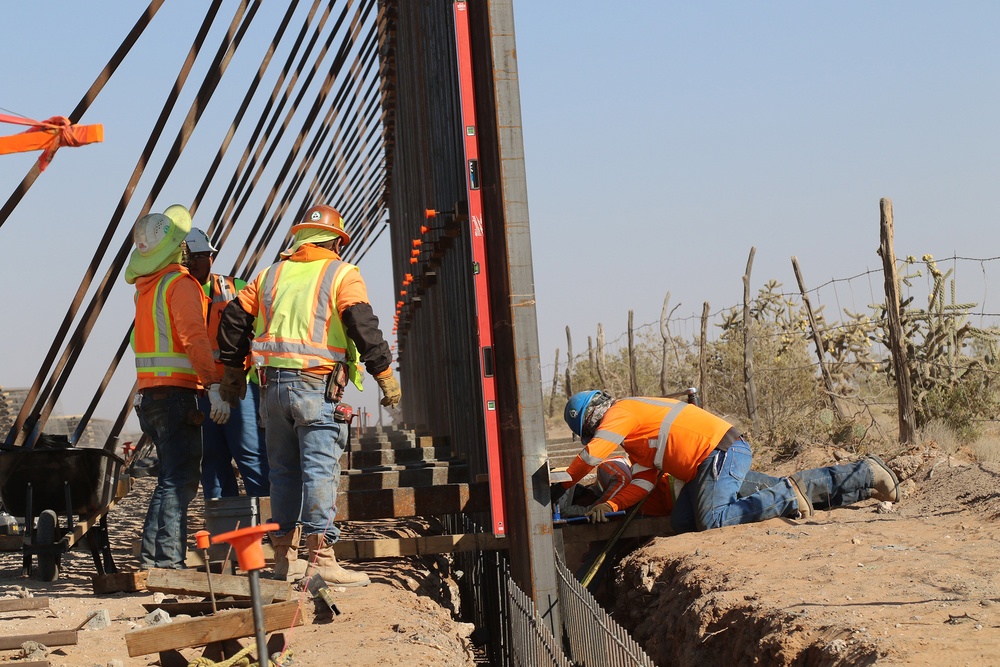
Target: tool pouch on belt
{"type": "Point", "coordinates": [195, 417]}
{"type": "Point", "coordinates": [336, 382]}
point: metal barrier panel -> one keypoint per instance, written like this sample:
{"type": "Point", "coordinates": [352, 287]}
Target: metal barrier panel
{"type": "Point", "coordinates": [531, 642]}
{"type": "Point", "coordinates": [595, 639]}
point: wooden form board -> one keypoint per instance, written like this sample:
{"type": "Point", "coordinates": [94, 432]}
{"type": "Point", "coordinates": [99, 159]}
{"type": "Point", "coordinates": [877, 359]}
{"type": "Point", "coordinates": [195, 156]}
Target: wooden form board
{"type": "Point", "coordinates": [189, 632]}
{"type": "Point", "coordinates": [194, 582]}
{"type": "Point", "coordinates": [656, 526]}
{"type": "Point", "coordinates": [418, 546]}
{"type": "Point", "coordinates": [24, 604]}
{"type": "Point", "coordinates": [54, 638]}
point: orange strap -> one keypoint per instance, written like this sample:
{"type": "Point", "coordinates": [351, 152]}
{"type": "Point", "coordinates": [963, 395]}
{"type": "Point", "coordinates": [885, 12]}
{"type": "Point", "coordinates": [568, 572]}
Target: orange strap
{"type": "Point", "coordinates": [48, 136]}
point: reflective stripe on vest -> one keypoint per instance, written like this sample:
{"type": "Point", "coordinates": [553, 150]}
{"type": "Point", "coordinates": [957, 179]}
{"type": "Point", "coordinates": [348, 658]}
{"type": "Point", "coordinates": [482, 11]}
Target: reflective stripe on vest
{"type": "Point", "coordinates": [221, 290]}
{"type": "Point", "coordinates": [660, 444]}
{"type": "Point", "coordinates": [164, 360]}
{"type": "Point", "coordinates": [297, 323]}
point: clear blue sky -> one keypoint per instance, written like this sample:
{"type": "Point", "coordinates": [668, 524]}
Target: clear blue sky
{"type": "Point", "coordinates": [662, 141]}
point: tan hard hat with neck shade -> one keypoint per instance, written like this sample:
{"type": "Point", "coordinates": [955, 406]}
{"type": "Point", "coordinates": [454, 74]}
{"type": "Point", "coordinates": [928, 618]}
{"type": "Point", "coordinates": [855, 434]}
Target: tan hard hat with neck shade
{"type": "Point", "coordinates": [158, 238]}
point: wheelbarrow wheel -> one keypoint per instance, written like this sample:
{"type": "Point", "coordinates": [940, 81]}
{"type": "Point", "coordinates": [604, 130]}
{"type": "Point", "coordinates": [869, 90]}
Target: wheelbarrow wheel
{"type": "Point", "coordinates": [45, 535]}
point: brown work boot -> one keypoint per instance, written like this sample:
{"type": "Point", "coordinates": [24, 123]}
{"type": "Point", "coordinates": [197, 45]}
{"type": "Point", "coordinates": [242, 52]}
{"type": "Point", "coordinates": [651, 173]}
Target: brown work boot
{"type": "Point", "coordinates": [802, 500]}
{"type": "Point", "coordinates": [323, 561]}
{"type": "Point", "coordinates": [287, 566]}
{"type": "Point", "coordinates": [886, 484]}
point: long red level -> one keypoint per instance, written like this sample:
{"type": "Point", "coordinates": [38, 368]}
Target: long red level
{"type": "Point", "coordinates": [484, 320]}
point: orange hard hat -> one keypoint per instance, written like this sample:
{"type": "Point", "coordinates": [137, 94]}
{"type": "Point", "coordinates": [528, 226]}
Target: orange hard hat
{"type": "Point", "coordinates": [325, 217]}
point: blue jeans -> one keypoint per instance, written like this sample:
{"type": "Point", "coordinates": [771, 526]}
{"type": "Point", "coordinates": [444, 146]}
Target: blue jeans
{"type": "Point", "coordinates": [725, 492]}
{"type": "Point", "coordinates": [304, 446]}
{"type": "Point", "coordinates": [169, 422]}
{"type": "Point", "coordinates": [238, 439]}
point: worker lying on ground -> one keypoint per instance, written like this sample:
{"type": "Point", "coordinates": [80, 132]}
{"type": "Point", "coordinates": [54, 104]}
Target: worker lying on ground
{"type": "Point", "coordinates": [662, 436]}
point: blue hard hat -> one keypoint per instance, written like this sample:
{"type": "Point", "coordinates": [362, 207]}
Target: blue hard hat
{"type": "Point", "coordinates": [576, 409]}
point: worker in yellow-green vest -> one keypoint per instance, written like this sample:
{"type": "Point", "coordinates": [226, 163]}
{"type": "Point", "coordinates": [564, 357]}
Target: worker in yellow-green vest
{"type": "Point", "coordinates": [309, 325]}
{"type": "Point", "coordinates": [173, 361]}
{"type": "Point", "coordinates": [240, 439]}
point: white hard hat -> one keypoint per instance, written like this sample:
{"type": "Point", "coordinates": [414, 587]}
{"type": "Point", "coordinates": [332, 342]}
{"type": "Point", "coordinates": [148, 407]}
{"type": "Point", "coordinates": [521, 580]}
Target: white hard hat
{"type": "Point", "coordinates": [197, 242]}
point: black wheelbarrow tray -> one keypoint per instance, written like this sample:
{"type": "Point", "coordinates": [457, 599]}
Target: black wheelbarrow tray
{"type": "Point", "coordinates": [50, 488]}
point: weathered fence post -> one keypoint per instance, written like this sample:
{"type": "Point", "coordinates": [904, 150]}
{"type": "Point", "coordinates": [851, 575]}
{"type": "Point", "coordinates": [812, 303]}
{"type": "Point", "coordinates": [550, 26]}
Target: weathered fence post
{"type": "Point", "coordinates": [569, 363]}
{"type": "Point", "coordinates": [601, 370]}
{"type": "Point", "coordinates": [633, 380]}
{"type": "Point", "coordinates": [555, 385]}
{"type": "Point", "coordinates": [897, 344]}
{"type": "Point", "coordinates": [749, 389]}
{"type": "Point", "coordinates": [702, 357]}
{"type": "Point", "coordinates": [818, 341]}
{"type": "Point", "coordinates": [667, 340]}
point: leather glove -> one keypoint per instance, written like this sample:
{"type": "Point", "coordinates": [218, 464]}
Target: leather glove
{"type": "Point", "coordinates": [220, 408]}
{"type": "Point", "coordinates": [390, 389]}
{"type": "Point", "coordinates": [596, 513]}
{"type": "Point", "coordinates": [234, 385]}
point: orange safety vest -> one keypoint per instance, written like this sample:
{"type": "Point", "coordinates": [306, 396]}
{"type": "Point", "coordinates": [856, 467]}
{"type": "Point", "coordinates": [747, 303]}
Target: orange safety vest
{"type": "Point", "coordinates": [159, 353]}
{"type": "Point", "coordinates": [220, 290]}
{"type": "Point", "coordinates": [617, 474]}
{"type": "Point", "coordinates": [660, 433]}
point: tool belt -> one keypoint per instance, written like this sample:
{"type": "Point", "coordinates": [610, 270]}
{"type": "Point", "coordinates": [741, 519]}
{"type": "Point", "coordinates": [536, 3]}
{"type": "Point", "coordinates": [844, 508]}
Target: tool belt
{"type": "Point", "coordinates": [160, 393]}
{"type": "Point", "coordinates": [731, 436]}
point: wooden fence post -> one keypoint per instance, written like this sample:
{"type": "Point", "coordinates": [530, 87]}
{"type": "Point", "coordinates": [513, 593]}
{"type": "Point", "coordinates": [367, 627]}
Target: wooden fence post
{"type": "Point", "coordinates": [633, 380]}
{"type": "Point", "coordinates": [569, 363]}
{"type": "Point", "coordinates": [897, 344]}
{"type": "Point", "coordinates": [667, 341]}
{"type": "Point", "coordinates": [818, 341]}
{"type": "Point", "coordinates": [702, 357]}
{"type": "Point", "coordinates": [601, 369]}
{"type": "Point", "coordinates": [749, 390]}
{"type": "Point", "coordinates": [555, 385]}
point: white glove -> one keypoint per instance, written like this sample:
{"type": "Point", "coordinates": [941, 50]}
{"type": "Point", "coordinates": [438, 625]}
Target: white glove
{"type": "Point", "coordinates": [220, 409]}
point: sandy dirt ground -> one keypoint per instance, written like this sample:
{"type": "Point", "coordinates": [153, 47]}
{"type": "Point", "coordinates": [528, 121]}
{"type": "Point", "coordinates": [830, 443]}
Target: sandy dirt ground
{"type": "Point", "coordinates": [397, 620]}
{"type": "Point", "coordinates": [912, 584]}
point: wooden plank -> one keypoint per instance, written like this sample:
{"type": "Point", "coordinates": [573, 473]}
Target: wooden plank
{"type": "Point", "coordinates": [192, 582]}
{"type": "Point", "coordinates": [418, 546]}
{"type": "Point", "coordinates": [120, 582]}
{"type": "Point", "coordinates": [652, 526]}
{"type": "Point", "coordinates": [412, 501]}
{"type": "Point", "coordinates": [33, 663]}
{"type": "Point", "coordinates": [54, 638]}
{"type": "Point", "coordinates": [23, 604]}
{"type": "Point", "coordinates": [190, 632]}
{"type": "Point", "coordinates": [196, 608]}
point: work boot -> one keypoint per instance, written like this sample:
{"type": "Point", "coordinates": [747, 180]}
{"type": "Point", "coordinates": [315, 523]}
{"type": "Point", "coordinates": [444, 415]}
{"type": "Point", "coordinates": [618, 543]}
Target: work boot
{"type": "Point", "coordinates": [801, 499]}
{"type": "Point", "coordinates": [885, 485]}
{"type": "Point", "coordinates": [323, 561]}
{"type": "Point", "coordinates": [287, 566]}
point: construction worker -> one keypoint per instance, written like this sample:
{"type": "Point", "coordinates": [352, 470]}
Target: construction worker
{"type": "Point", "coordinates": [240, 438]}
{"type": "Point", "coordinates": [710, 456]}
{"type": "Point", "coordinates": [615, 487]}
{"type": "Point", "coordinates": [310, 325]}
{"type": "Point", "coordinates": [173, 360]}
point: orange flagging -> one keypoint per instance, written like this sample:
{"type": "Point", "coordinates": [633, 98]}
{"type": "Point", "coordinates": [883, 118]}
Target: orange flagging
{"type": "Point", "coordinates": [48, 136]}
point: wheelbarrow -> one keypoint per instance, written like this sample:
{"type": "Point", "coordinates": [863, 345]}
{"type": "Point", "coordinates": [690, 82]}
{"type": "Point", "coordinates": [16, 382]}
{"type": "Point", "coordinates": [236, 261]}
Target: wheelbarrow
{"type": "Point", "coordinates": [63, 495]}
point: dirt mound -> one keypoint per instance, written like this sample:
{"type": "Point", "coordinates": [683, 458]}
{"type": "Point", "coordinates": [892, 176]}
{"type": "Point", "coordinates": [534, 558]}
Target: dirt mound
{"type": "Point", "coordinates": [910, 584]}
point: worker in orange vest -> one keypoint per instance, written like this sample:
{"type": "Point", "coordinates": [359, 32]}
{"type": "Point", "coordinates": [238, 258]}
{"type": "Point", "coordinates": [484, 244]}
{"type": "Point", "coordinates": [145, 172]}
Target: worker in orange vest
{"type": "Point", "coordinates": [173, 360]}
{"type": "Point", "coordinates": [240, 439]}
{"type": "Point", "coordinates": [711, 457]}
{"type": "Point", "coordinates": [311, 325]}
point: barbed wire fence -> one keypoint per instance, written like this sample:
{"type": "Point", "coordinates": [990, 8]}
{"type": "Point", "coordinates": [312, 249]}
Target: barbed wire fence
{"type": "Point", "coordinates": [946, 337]}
